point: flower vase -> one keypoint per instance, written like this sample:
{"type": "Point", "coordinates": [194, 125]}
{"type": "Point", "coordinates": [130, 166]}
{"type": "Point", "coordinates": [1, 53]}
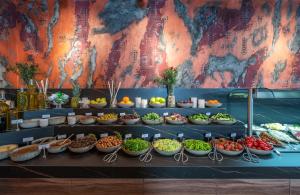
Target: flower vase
{"type": "Point", "coordinates": [113, 103]}
{"type": "Point", "coordinates": [171, 97]}
{"type": "Point", "coordinates": [58, 106]}
{"type": "Point", "coordinates": [75, 101]}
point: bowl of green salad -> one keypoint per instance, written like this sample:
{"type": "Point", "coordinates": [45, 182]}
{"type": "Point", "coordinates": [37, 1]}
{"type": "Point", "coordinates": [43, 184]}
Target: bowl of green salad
{"type": "Point", "coordinates": [167, 147]}
{"type": "Point", "coordinates": [200, 119]}
{"type": "Point", "coordinates": [197, 147]}
{"type": "Point", "coordinates": [223, 119]}
{"type": "Point", "coordinates": [135, 146]}
{"type": "Point", "coordinates": [152, 119]}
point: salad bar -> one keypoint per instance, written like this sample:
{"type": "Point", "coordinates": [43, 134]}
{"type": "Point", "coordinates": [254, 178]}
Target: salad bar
{"type": "Point", "coordinates": [152, 141]}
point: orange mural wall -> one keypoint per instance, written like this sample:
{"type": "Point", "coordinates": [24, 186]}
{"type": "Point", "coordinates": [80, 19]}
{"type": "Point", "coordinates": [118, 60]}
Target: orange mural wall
{"type": "Point", "coordinates": [229, 43]}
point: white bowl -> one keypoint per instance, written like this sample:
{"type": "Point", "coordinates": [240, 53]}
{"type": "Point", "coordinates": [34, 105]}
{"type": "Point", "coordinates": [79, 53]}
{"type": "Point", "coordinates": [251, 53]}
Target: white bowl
{"type": "Point", "coordinates": [98, 106]}
{"type": "Point", "coordinates": [200, 122]}
{"type": "Point", "coordinates": [131, 153]}
{"type": "Point", "coordinates": [58, 149]}
{"type": "Point", "coordinates": [87, 120]}
{"type": "Point", "coordinates": [82, 149]}
{"type": "Point", "coordinates": [225, 122]}
{"type": "Point", "coordinates": [31, 123]}
{"type": "Point", "coordinates": [165, 153]}
{"type": "Point", "coordinates": [43, 140]}
{"type": "Point", "coordinates": [213, 105]}
{"type": "Point", "coordinates": [10, 147]}
{"type": "Point", "coordinates": [157, 105]}
{"type": "Point", "coordinates": [153, 122]}
{"type": "Point", "coordinates": [175, 122]}
{"type": "Point", "coordinates": [260, 152]}
{"type": "Point", "coordinates": [107, 150]}
{"type": "Point", "coordinates": [130, 121]}
{"type": "Point", "coordinates": [198, 152]}
{"type": "Point", "coordinates": [125, 105]}
{"type": "Point", "coordinates": [25, 156]}
{"type": "Point", "coordinates": [44, 122]}
{"type": "Point", "coordinates": [57, 120]}
{"type": "Point", "coordinates": [184, 105]}
{"type": "Point", "coordinates": [230, 153]}
{"type": "Point", "coordinates": [106, 122]}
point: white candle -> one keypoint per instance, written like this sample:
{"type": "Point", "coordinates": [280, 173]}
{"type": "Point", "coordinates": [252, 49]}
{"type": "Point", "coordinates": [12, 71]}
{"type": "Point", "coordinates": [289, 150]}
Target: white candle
{"type": "Point", "coordinates": [194, 101]}
{"type": "Point", "coordinates": [144, 103]}
{"type": "Point", "coordinates": [138, 102]}
{"type": "Point", "coordinates": [201, 103]}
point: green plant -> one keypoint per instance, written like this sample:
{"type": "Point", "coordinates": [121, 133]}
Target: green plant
{"type": "Point", "coordinates": [26, 71]}
{"type": "Point", "coordinates": [168, 78]}
{"type": "Point", "coordinates": [76, 89]}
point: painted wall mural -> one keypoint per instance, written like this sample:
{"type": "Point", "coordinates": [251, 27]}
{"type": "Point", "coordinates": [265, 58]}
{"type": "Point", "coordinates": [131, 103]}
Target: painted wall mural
{"type": "Point", "coordinates": [213, 43]}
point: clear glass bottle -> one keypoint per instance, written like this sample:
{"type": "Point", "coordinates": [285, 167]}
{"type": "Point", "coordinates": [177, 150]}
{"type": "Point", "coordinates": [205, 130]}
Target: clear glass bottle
{"type": "Point", "coordinates": [22, 100]}
{"type": "Point", "coordinates": [41, 100]}
{"type": "Point", "coordinates": [32, 96]}
{"type": "Point", "coordinates": [4, 113]}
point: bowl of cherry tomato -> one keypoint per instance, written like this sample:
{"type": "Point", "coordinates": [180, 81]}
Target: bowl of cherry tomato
{"type": "Point", "coordinates": [229, 147]}
{"type": "Point", "coordinates": [258, 146]}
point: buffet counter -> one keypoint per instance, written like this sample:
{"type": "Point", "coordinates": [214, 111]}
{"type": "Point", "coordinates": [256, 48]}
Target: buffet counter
{"type": "Point", "coordinates": [91, 165]}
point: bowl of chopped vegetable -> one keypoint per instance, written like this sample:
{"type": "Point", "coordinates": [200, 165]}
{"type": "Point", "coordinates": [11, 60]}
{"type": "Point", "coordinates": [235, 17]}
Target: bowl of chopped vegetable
{"type": "Point", "coordinates": [167, 147]}
{"type": "Point", "coordinates": [199, 119]}
{"type": "Point", "coordinates": [197, 147]}
{"type": "Point", "coordinates": [135, 146]}
{"type": "Point", "coordinates": [152, 119]}
{"type": "Point", "coordinates": [223, 119]}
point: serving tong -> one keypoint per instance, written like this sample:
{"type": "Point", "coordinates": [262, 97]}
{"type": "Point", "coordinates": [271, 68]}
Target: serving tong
{"type": "Point", "coordinates": [147, 157]}
{"type": "Point", "coordinates": [215, 155]}
{"type": "Point", "coordinates": [181, 156]}
{"type": "Point", "coordinates": [248, 156]}
{"type": "Point", "coordinates": [112, 157]}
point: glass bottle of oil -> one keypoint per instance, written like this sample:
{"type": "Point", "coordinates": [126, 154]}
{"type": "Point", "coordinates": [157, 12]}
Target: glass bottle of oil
{"type": "Point", "coordinates": [22, 100]}
{"type": "Point", "coordinates": [41, 100]}
{"type": "Point", "coordinates": [32, 96]}
{"type": "Point", "coordinates": [4, 113]}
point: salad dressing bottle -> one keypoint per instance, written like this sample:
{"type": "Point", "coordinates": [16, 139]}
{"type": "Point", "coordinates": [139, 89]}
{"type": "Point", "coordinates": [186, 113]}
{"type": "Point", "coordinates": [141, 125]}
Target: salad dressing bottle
{"type": "Point", "coordinates": [41, 100]}
{"type": "Point", "coordinates": [32, 96]}
{"type": "Point", "coordinates": [22, 100]}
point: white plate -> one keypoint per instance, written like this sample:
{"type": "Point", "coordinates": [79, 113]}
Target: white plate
{"type": "Point", "coordinates": [260, 152]}
{"type": "Point", "coordinates": [26, 156]}
{"type": "Point", "coordinates": [125, 105]}
{"type": "Point", "coordinates": [165, 153]}
{"type": "Point", "coordinates": [198, 152]}
{"type": "Point", "coordinates": [230, 153]}
{"type": "Point", "coordinates": [200, 122]}
{"type": "Point", "coordinates": [153, 122]}
{"type": "Point", "coordinates": [131, 153]}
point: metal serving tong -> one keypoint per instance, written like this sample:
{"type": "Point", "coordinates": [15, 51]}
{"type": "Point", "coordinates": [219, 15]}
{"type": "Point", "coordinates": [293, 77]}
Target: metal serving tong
{"type": "Point", "coordinates": [215, 155]}
{"type": "Point", "coordinates": [248, 156]}
{"type": "Point", "coordinates": [112, 157]}
{"type": "Point", "coordinates": [147, 157]}
{"type": "Point", "coordinates": [181, 156]}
